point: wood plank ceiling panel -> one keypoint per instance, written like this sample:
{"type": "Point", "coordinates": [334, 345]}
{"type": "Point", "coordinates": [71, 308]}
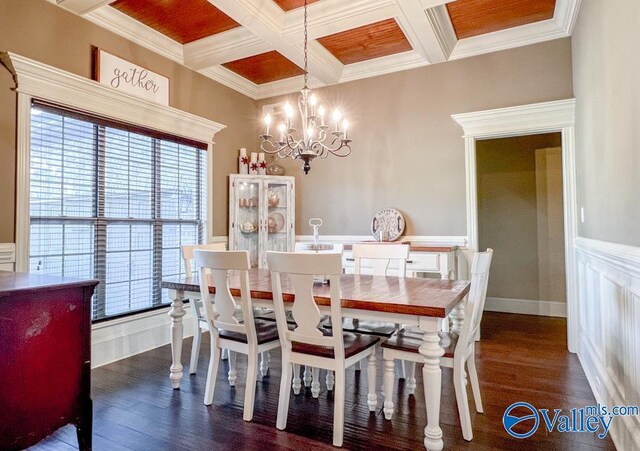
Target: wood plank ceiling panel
{"type": "Point", "coordinates": [264, 68]}
{"type": "Point", "coordinates": [367, 42]}
{"type": "Point", "coordinates": [183, 21]}
{"type": "Point", "coordinates": [476, 17]}
{"type": "Point", "coordinates": [288, 5]}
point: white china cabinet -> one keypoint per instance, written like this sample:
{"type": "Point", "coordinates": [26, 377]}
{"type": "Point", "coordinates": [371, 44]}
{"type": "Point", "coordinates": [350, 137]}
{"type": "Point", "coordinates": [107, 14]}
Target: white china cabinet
{"type": "Point", "coordinates": [261, 215]}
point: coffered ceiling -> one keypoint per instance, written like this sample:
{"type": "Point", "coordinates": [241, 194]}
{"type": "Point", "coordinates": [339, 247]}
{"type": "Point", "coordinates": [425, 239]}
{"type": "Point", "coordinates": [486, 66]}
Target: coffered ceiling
{"type": "Point", "coordinates": [255, 46]}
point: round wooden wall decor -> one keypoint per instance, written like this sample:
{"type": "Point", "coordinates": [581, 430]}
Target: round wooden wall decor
{"type": "Point", "coordinates": [387, 225]}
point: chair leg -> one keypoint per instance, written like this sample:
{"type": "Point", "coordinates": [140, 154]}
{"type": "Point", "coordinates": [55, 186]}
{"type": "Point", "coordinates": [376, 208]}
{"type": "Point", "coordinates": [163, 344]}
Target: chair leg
{"type": "Point", "coordinates": [372, 397]}
{"type": "Point", "coordinates": [195, 346]}
{"type": "Point", "coordinates": [462, 401]}
{"type": "Point", "coordinates": [233, 375]}
{"type": "Point", "coordinates": [402, 372]}
{"type": "Point", "coordinates": [330, 379]}
{"type": "Point", "coordinates": [212, 373]}
{"type": "Point", "coordinates": [283, 400]}
{"type": "Point", "coordinates": [410, 380]}
{"type": "Point", "coordinates": [475, 384]}
{"type": "Point", "coordinates": [264, 363]}
{"type": "Point", "coordinates": [296, 383]}
{"type": "Point", "coordinates": [338, 408]}
{"type": "Point", "coordinates": [389, 374]}
{"type": "Point", "coordinates": [250, 388]}
{"type": "Point", "coordinates": [225, 354]}
{"type": "Point", "coordinates": [315, 383]}
{"type": "Point", "coordinates": [307, 376]}
{"type": "Point", "coordinates": [358, 366]}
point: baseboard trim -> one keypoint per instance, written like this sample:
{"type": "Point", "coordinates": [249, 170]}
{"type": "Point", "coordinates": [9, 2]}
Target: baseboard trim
{"type": "Point", "coordinates": [526, 307]}
{"type": "Point", "coordinates": [125, 337]}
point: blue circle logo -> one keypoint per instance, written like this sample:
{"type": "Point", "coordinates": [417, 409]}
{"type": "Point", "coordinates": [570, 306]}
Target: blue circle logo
{"type": "Point", "coordinates": [510, 421]}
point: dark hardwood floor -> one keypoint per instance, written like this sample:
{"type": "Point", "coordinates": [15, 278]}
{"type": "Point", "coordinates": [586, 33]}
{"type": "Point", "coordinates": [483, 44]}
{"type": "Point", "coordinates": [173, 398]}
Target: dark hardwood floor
{"type": "Point", "coordinates": [520, 358]}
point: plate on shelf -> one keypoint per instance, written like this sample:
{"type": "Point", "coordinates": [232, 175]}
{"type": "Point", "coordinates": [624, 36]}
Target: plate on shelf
{"type": "Point", "coordinates": [387, 224]}
{"type": "Point", "coordinates": [275, 223]}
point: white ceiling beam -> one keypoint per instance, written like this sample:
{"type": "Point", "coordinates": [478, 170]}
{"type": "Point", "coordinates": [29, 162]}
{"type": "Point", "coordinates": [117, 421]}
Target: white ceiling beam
{"type": "Point", "coordinates": [334, 16]}
{"type": "Point", "coordinates": [221, 48]}
{"type": "Point", "coordinates": [83, 6]}
{"type": "Point", "coordinates": [383, 65]}
{"type": "Point", "coordinates": [430, 31]}
{"type": "Point", "coordinates": [265, 19]}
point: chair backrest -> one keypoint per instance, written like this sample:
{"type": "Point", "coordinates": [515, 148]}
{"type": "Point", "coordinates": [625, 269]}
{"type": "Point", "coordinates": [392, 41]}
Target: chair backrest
{"type": "Point", "coordinates": [214, 266]}
{"type": "Point", "coordinates": [336, 249]}
{"type": "Point", "coordinates": [300, 268]}
{"type": "Point", "coordinates": [381, 255]}
{"type": "Point", "coordinates": [475, 299]}
{"type": "Point", "coordinates": [187, 253]}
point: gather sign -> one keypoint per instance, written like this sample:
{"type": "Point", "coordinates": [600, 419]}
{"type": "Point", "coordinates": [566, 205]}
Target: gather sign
{"type": "Point", "coordinates": [130, 78]}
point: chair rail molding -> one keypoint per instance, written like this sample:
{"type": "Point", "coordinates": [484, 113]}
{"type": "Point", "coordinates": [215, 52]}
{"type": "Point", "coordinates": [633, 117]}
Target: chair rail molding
{"type": "Point", "coordinates": [546, 117]}
{"type": "Point", "coordinates": [37, 80]}
{"type": "Point", "coordinates": [609, 291]}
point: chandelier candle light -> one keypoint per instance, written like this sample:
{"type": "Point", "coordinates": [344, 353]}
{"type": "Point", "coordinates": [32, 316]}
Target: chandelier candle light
{"type": "Point", "coordinates": [319, 139]}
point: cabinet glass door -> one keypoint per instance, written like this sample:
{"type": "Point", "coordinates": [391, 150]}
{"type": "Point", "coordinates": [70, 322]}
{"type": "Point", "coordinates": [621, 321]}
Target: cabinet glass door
{"type": "Point", "coordinates": [278, 221]}
{"type": "Point", "coordinates": [248, 197]}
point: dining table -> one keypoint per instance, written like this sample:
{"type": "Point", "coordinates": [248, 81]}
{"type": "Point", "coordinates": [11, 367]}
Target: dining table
{"type": "Point", "coordinates": [418, 302]}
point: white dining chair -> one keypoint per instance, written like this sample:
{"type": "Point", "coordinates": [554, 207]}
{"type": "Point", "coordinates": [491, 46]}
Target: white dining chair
{"type": "Point", "coordinates": [226, 331]}
{"type": "Point", "coordinates": [459, 349]}
{"type": "Point", "coordinates": [199, 321]}
{"type": "Point", "coordinates": [312, 345]}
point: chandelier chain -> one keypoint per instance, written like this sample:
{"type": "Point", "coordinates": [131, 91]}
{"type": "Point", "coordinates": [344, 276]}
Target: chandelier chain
{"type": "Point", "coordinates": [306, 37]}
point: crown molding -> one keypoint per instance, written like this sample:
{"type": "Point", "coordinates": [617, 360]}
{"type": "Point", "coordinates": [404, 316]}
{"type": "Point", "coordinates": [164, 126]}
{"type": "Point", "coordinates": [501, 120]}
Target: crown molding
{"type": "Point", "coordinates": [383, 65]}
{"type": "Point", "coordinates": [334, 16]}
{"type": "Point", "coordinates": [221, 48]}
{"type": "Point", "coordinates": [42, 81]}
{"type": "Point", "coordinates": [566, 14]}
{"type": "Point", "coordinates": [129, 28]}
{"type": "Point", "coordinates": [81, 6]}
{"type": "Point", "coordinates": [232, 80]}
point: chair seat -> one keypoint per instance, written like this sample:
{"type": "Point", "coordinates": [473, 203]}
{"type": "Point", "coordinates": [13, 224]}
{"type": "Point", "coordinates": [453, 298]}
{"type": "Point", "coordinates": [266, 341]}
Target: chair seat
{"type": "Point", "coordinates": [353, 344]}
{"type": "Point", "coordinates": [377, 328]}
{"type": "Point", "coordinates": [271, 316]}
{"type": "Point", "coordinates": [265, 332]}
{"type": "Point", "coordinates": [410, 341]}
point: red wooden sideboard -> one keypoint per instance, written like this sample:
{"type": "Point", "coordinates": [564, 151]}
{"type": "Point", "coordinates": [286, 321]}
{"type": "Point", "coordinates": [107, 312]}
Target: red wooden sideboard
{"type": "Point", "coordinates": [45, 358]}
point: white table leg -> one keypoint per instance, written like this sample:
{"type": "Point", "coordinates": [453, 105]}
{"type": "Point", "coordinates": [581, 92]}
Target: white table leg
{"type": "Point", "coordinates": [457, 317]}
{"type": "Point", "coordinates": [176, 313]}
{"type": "Point", "coordinates": [432, 379]}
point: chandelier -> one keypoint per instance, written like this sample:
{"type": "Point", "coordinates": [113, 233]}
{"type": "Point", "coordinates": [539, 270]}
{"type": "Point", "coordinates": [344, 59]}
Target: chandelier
{"type": "Point", "coordinates": [317, 138]}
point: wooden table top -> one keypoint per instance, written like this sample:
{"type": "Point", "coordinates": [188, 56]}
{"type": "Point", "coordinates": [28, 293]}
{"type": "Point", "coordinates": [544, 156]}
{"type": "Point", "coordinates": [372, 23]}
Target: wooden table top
{"type": "Point", "coordinates": [410, 296]}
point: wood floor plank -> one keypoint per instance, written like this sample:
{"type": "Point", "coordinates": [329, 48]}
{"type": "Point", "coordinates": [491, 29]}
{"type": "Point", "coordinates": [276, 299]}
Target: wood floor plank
{"type": "Point", "coordinates": [520, 358]}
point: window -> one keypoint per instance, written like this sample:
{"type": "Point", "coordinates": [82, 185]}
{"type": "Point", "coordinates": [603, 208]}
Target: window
{"type": "Point", "coordinates": [112, 203]}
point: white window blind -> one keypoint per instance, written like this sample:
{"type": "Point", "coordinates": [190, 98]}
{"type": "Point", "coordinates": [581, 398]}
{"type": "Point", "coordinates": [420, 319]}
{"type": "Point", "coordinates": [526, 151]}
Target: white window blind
{"type": "Point", "coordinates": [113, 203]}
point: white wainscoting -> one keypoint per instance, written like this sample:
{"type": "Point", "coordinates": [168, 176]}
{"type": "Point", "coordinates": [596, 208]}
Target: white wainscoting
{"type": "Point", "coordinates": [526, 307]}
{"type": "Point", "coordinates": [609, 329]}
{"type": "Point", "coordinates": [121, 338]}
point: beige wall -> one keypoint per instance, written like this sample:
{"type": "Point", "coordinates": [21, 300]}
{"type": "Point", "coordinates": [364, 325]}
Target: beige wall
{"type": "Point", "coordinates": [606, 64]}
{"type": "Point", "coordinates": [44, 32]}
{"type": "Point", "coordinates": [407, 151]}
{"type": "Point", "coordinates": [508, 214]}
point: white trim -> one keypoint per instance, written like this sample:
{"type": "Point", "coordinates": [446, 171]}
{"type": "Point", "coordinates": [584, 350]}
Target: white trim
{"type": "Point", "coordinates": [129, 28]}
{"type": "Point", "coordinates": [82, 6]}
{"type": "Point", "coordinates": [221, 48]}
{"type": "Point", "coordinates": [34, 79]}
{"type": "Point", "coordinates": [623, 257]}
{"type": "Point", "coordinates": [124, 337]}
{"type": "Point", "coordinates": [429, 31]}
{"type": "Point", "coordinates": [556, 116]}
{"type": "Point", "coordinates": [383, 65]}
{"type": "Point", "coordinates": [526, 307]}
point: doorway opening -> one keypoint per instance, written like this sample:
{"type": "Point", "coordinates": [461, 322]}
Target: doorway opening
{"type": "Point", "coordinates": [521, 216]}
